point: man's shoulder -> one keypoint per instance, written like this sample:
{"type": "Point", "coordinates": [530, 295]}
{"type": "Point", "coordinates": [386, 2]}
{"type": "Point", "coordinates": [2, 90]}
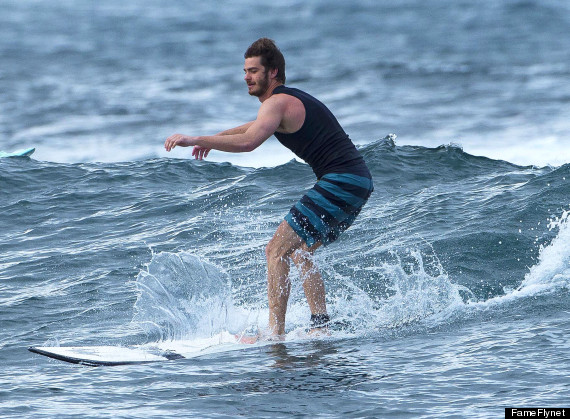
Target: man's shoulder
{"type": "Point", "coordinates": [293, 94]}
{"type": "Point", "coordinates": [281, 99]}
{"type": "Point", "coordinates": [291, 91]}
{"type": "Point", "coordinates": [274, 106]}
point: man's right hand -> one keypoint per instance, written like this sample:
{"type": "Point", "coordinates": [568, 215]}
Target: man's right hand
{"type": "Point", "coordinates": [200, 152]}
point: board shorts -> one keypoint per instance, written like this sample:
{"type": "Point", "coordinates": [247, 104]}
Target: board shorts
{"type": "Point", "coordinates": [329, 208]}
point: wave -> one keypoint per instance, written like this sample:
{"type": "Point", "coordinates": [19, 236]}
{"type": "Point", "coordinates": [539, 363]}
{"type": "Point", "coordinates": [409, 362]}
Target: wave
{"type": "Point", "coordinates": [182, 296]}
{"type": "Point", "coordinates": [445, 235]}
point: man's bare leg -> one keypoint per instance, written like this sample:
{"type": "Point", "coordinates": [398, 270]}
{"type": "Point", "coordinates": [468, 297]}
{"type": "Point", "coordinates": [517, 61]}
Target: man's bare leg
{"type": "Point", "coordinates": [286, 245]}
{"type": "Point", "coordinates": [278, 290]}
{"type": "Point", "coordinates": [282, 247]}
{"type": "Point", "coordinates": [313, 283]}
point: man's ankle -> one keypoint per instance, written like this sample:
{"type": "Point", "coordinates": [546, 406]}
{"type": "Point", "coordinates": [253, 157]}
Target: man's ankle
{"type": "Point", "coordinates": [320, 320]}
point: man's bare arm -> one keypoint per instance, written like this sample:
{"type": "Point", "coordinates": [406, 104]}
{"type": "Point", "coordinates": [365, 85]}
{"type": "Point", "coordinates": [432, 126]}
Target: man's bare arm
{"type": "Point", "coordinates": [237, 130]}
{"type": "Point", "coordinates": [201, 153]}
{"type": "Point", "coordinates": [256, 132]}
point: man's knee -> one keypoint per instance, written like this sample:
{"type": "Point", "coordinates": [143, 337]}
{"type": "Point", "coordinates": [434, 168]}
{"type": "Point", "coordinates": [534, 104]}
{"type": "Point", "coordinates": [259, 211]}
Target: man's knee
{"type": "Point", "coordinates": [277, 250]}
{"type": "Point", "coordinates": [270, 250]}
{"type": "Point", "coordinates": [283, 243]}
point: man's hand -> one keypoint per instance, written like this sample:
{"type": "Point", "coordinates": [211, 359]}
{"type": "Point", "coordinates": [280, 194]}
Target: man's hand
{"type": "Point", "coordinates": [200, 152]}
{"type": "Point", "coordinates": [179, 139]}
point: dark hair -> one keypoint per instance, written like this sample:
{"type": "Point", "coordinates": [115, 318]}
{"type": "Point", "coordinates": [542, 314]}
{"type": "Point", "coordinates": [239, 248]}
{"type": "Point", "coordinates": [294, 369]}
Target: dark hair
{"type": "Point", "coordinates": [270, 55]}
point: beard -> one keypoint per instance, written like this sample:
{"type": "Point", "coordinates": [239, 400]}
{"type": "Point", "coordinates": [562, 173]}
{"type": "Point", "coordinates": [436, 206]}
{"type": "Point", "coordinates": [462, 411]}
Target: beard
{"type": "Point", "coordinates": [261, 87]}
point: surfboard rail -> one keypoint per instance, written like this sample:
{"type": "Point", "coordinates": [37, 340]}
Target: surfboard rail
{"type": "Point", "coordinates": [96, 356]}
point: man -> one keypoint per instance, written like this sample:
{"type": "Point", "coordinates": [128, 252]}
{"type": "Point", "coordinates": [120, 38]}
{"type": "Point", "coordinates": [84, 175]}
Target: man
{"type": "Point", "coordinates": [309, 129]}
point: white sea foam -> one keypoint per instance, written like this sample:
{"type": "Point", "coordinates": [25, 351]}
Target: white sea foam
{"type": "Point", "coordinates": [552, 271]}
{"type": "Point", "coordinates": [550, 274]}
{"type": "Point", "coordinates": [182, 296]}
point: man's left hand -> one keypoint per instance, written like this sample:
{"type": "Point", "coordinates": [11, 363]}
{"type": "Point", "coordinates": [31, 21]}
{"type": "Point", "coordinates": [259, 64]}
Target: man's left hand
{"type": "Point", "coordinates": [179, 139]}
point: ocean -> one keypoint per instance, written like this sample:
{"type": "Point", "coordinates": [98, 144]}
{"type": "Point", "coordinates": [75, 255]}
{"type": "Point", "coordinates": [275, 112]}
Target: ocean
{"type": "Point", "coordinates": [451, 286]}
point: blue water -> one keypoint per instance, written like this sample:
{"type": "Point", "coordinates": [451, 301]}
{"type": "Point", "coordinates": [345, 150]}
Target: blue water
{"type": "Point", "coordinates": [452, 284]}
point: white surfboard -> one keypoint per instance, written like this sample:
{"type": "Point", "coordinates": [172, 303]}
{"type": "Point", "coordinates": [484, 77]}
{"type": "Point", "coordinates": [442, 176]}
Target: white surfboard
{"type": "Point", "coordinates": [165, 350]}
{"type": "Point", "coordinates": [24, 152]}
{"type": "Point", "coordinates": [141, 354]}
{"type": "Point", "coordinates": [102, 355]}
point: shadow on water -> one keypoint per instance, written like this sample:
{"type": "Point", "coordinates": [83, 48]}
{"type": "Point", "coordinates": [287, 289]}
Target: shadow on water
{"type": "Point", "coordinates": [314, 367]}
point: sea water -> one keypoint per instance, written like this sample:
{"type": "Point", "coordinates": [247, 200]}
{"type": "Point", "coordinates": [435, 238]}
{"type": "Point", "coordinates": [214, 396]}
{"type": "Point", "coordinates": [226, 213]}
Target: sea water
{"type": "Point", "coordinates": [451, 286]}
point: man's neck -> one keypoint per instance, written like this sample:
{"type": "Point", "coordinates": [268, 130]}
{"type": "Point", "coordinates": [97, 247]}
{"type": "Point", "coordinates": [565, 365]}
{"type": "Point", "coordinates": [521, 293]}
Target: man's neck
{"type": "Point", "coordinates": [274, 83]}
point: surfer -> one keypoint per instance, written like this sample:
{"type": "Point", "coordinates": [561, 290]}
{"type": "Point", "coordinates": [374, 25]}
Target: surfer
{"type": "Point", "coordinates": [307, 127]}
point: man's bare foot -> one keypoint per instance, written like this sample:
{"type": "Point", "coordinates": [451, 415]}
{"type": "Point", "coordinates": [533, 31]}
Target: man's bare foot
{"type": "Point", "coordinates": [249, 340]}
{"type": "Point", "coordinates": [319, 331]}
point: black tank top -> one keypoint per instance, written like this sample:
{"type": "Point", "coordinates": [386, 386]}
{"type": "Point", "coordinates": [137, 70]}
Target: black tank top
{"type": "Point", "coordinates": [321, 141]}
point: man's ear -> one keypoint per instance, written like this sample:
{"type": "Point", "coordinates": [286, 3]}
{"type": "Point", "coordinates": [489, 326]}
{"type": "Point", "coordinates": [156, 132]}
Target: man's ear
{"type": "Point", "coordinates": [273, 72]}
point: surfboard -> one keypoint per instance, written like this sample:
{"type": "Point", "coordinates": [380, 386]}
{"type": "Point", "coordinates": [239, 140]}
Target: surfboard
{"type": "Point", "coordinates": [142, 354]}
{"type": "Point", "coordinates": [24, 152]}
{"type": "Point", "coordinates": [104, 355]}
{"type": "Point", "coordinates": [165, 350]}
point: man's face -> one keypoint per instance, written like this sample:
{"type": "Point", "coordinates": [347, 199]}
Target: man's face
{"type": "Point", "coordinates": [256, 77]}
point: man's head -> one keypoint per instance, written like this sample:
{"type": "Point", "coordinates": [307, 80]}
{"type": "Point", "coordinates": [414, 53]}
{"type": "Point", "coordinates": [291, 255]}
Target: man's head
{"type": "Point", "coordinates": [271, 57]}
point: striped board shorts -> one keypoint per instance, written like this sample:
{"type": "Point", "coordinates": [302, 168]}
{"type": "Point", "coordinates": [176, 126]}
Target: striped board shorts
{"type": "Point", "coordinates": [329, 208]}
